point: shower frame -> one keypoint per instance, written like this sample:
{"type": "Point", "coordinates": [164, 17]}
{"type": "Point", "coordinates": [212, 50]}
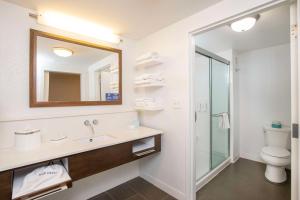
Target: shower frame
{"type": "Point", "coordinates": [213, 171]}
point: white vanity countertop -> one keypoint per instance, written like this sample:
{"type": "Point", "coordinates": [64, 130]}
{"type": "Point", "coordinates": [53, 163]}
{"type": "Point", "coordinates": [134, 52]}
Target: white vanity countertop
{"type": "Point", "coordinates": [11, 158]}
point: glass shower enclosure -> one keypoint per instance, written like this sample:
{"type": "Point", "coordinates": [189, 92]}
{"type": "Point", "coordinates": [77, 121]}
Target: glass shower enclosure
{"type": "Point", "coordinates": [212, 111]}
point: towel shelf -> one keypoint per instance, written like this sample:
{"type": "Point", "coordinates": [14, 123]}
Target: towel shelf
{"type": "Point", "coordinates": [146, 85]}
{"type": "Point", "coordinates": [146, 108]}
{"type": "Point", "coordinates": [218, 114]}
{"type": "Point", "coordinates": [143, 144]}
{"type": "Point", "coordinates": [143, 147]}
{"type": "Point", "coordinates": [149, 62]}
{"type": "Point", "coordinates": [143, 153]}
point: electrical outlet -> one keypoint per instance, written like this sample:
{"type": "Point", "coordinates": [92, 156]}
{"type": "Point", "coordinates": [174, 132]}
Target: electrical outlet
{"type": "Point", "coordinates": [176, 104]}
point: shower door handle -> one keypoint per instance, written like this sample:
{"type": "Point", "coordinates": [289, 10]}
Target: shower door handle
{"type": "Point", "coordinates": [195, 116]}
{"type": "Point", "coordinates": [219, 114]}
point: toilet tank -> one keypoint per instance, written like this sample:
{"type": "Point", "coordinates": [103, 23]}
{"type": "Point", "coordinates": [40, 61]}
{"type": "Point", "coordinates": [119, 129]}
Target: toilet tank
{"type": "Point", "coordinates": [279, 137]}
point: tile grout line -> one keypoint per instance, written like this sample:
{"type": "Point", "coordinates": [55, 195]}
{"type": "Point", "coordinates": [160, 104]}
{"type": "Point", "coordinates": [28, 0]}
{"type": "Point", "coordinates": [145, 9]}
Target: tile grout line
{"type": "Point", "coordinates": [166, 195]}
{"type": "Point", "coordinates": [137, 192]}
{"type": "Point", "coordinates": [110, 196]}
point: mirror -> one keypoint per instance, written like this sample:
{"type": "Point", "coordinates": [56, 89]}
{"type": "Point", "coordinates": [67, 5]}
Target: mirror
{"type": "Point", "coordinates": [68, 72]}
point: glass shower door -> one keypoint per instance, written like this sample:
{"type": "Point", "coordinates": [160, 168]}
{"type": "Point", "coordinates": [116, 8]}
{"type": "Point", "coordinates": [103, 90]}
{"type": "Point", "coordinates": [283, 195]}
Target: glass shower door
{"type": "Point", "coordinates": [202, 115]}
{"type": "Point", "coordinates": [211, 100]}
{"type": "Point", "coordinates": [219, 105]}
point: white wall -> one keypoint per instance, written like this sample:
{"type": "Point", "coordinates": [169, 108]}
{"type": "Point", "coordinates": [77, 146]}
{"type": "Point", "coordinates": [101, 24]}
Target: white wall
{"type": "Point", "coordinates": [171, 170]}
{"type": "Point", "coordinates": [230, 55]}
{"type": "Point", "coordinates": [265, 95]}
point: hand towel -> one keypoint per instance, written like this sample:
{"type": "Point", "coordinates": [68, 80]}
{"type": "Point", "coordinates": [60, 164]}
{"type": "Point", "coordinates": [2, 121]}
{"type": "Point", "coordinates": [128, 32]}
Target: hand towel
{"type": "Point", "coordinates": [224, 121]}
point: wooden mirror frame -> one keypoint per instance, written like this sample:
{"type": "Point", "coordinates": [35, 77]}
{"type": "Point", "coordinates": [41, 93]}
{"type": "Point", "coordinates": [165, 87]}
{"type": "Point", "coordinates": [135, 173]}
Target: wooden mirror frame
{"type": "Point", "coordinates": [32, 72]}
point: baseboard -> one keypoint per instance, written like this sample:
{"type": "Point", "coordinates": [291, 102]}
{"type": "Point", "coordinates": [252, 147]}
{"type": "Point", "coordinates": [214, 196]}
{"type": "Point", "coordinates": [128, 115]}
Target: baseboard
{"type": "Point", "coordinates": [257, 159]}
{"type": "Point", "coordinates": [251, 157]}
{"type": "Point", "coordinates": [206, 179]}
{"type": "Point", "coordinates": [163, 186]}
{"type": "Point", "coordinates": [235, 159]}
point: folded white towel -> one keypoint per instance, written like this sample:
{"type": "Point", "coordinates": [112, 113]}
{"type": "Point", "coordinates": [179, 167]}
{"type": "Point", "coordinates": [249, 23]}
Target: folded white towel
{"type": "Point", "coordinates": [147, 56]}
{"type": "Point", "coordinates": [224, 121]}
{"type": "Point", "coordinates": [144, 100]}
{"type": "Point", "coordinates": [139, 104]}
{"type": "Point", "coordinates": [148, 82]}
{"type": "Point", "coordinates": [113, 67]}
{"type": "Point", "coordinates": [145, 76]}
{"type": "Point", "coordinates": [147, 102]}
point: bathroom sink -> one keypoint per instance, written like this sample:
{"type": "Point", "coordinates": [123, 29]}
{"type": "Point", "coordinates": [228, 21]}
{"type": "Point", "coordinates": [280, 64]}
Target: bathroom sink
{"type": "Point", "coordinates": [95, 139]}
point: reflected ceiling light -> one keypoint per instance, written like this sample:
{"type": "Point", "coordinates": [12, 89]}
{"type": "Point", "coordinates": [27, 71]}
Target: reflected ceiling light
{"type": "Point", "coordinates": [78, 26]}
{"type": "Point", "coordinates": [62, 52]}
{"type": "Point", "coordinates": [244, 24]}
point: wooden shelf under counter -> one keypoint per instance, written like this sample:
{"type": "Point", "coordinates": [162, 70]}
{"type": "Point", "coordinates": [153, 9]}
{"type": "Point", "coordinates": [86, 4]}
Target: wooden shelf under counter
{"type": "Point", "coordinates": [92, 162]}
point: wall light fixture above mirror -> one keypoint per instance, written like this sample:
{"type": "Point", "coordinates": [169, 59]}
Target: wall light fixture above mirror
{"type": "Point", "coordinates": [77, 25]}
{"type": "Point", "coordinates": [69, 72]}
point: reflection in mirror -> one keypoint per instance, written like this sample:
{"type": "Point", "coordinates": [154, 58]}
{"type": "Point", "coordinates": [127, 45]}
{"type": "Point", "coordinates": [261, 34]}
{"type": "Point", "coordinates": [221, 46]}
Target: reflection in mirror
{"type": "Point", "coordinates": [69, 72]}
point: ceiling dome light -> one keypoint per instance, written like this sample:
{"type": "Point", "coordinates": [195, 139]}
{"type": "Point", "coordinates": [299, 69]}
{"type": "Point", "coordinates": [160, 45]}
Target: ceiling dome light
{"type": "Point", "coordinates": [244, 24]}
{"type": "Point", "coordinates": [62, 52]}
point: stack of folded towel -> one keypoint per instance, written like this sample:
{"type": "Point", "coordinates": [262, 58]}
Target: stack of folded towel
{"type": "Point", "coordinates": [113, 69]}
{"type": "Point", "coordinates": [147, 56]}
{"type": "Point", "coordinates": [114, 87]}
{"type": "Point", "coordinates": [114, 83]}
{"type": "Point", "coordinates": [147, 102]}
{"type": "Point", "coordinates": [149, 79]}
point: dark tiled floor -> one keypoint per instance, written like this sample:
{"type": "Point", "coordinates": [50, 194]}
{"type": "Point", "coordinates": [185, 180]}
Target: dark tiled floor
{"type": "Point", "coordinates": [135, 189]}
{"type": "Point", "coordinates": [244, 180]}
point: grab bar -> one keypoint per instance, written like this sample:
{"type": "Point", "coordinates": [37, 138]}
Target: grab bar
{"type": "Point", "coordinates": [219, 114]}
{"type": "Point", "coordinates": [144, 153]}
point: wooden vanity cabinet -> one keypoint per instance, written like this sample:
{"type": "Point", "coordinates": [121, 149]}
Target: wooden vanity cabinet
{"type": "Point", "coordinates": [86, 164]}
{"type": "Point", "coordinates": [5, 185]}
{"type": "Point", "coordinates": [92, 162]}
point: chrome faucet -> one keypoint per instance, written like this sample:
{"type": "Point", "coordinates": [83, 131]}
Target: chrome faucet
{"type": "Point", "coordinates": [89, 124]}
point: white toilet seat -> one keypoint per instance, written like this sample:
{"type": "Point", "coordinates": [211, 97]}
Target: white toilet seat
{"type": "Point", "coordinates": [276, 159]}
{"type": "Point", "coordinates": [277, 152]}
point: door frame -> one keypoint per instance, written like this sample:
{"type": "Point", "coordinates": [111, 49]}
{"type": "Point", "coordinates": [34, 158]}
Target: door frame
{"type": "Point", "coordinates": [191, 147]}
{"type": "Point", "coordinates": [295, 91]}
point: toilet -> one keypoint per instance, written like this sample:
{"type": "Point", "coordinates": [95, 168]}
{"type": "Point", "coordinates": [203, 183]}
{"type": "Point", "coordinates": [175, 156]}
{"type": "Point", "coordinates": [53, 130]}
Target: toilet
{"type": "Point", "coordinates": [275, 153]}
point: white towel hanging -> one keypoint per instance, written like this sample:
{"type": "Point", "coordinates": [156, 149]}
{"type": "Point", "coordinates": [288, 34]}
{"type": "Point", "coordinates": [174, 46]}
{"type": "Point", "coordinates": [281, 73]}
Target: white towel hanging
{"type": "Point", "coordinates": [224, 120]}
